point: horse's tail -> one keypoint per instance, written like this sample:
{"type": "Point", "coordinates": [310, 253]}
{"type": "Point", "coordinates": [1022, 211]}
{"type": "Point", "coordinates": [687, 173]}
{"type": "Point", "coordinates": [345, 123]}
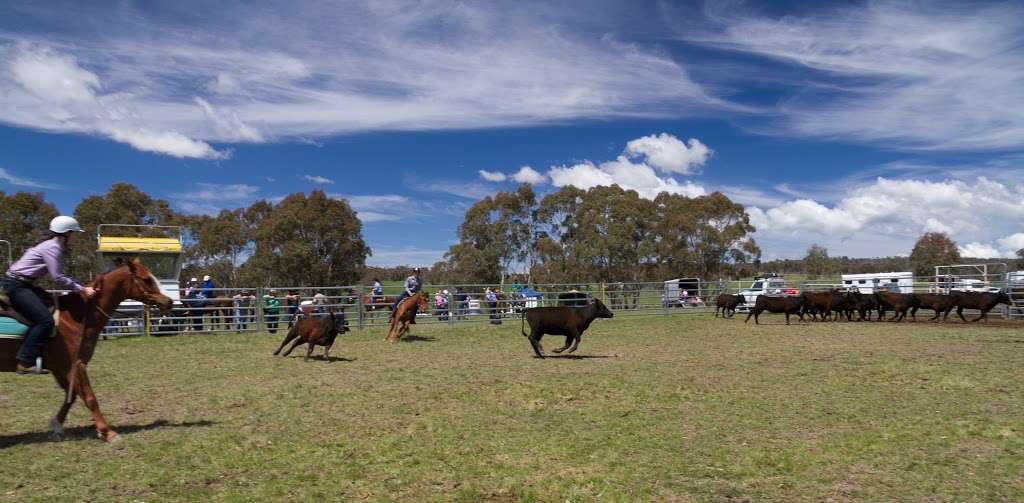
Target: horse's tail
{"type": "Point", "coordinates": [522, 328]}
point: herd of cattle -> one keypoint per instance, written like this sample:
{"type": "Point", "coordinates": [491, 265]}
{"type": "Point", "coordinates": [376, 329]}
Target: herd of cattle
{"type": "Point", "coordinates": [837, 304]}
{"type": "Point", "coordinates": [572, 321]}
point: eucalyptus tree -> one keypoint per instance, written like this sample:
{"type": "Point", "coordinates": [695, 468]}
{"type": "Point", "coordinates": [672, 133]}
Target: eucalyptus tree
{"type": "Point", "coordinates": [705, 237]}
{"type": "Point", "coordinates": [123, 204]}
{"type": "Point", "coordinates": [932, 249]}
{"type": "Point", "coordinates": [614, 239]}
{"type": "Point", "coordinates": [24, 219]}
{"type": "Point", "coordinates": [495, 235]}
{"type": "Point", "coordinates": [817, 263]}
{"type": "Point", "coordinates": [305, 241]}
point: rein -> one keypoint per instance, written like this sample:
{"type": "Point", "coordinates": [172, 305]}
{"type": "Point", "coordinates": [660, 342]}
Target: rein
{"type": "Point", "coordinates": [91, 304]}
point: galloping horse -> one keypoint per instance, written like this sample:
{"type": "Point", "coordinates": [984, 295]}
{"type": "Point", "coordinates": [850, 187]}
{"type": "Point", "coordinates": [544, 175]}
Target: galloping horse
{"type": "Point", "coordinates": [405, 313]}
{"type": "Point", "coordinates": [78, 329]}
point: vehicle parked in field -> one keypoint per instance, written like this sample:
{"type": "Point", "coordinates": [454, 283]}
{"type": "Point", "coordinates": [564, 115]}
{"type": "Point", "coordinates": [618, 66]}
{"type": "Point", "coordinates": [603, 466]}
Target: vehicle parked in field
{"type": "Point", "coordinates": [770, 284]}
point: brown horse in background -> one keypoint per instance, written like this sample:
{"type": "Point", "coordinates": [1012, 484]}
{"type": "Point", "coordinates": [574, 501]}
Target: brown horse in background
{"type": "Point", "coordinates": [382, 301]}
{"type": "Point", "coordinates": [79, 326]}
{"type": "Point", "coordinates": [221, 310]}
{"type": "Point", "coordinates": [406, 313]}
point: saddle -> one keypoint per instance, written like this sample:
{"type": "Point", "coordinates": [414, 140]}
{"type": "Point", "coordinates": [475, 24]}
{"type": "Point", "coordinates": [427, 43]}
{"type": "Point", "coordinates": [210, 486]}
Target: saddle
{"type": "Point", "coordinates": [13, 325]}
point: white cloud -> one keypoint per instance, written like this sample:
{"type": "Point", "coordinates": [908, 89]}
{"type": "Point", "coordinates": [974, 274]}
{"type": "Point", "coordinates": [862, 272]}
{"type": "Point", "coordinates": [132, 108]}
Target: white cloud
{"type": "Point", "coordinates": [529, 175]}
{"type": "Point", "coordinates": [979, 250]}
{"type": "Point", "coordinates": [668, 154]}
{"type": "Point", "coordinates": [639, 177]}
{"type": "Point", "coordinates": [217, 193]}
{"type": "Point", "coordinates": [317, 179]}
{"type": "Point", "coordinates": [492, 176]}
{"type": "Point", "coordinates": [894, 213]}
{"type": "Point", "coordinates": [916, 75]}
{"type": "Point", "coordinates": [16, 180]}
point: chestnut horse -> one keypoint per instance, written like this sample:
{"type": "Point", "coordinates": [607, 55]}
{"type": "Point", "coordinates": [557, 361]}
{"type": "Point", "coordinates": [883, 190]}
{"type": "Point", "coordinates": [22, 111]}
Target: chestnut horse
{"type": "Point", "coordinates": [78, 329]}
{"type": "Point", "coordinates": [369, 306]}
{"type": "Point", "coordinates": [405, 313]}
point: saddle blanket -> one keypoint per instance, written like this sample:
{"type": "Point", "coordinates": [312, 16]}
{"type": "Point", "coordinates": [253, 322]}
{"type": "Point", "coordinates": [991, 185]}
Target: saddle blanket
{"type": "Point", "coordinates": [12, 329]}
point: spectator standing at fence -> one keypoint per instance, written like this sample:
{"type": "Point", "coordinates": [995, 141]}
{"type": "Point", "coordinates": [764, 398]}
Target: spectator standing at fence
{"type": "Point", "coordinates": [320, 301]}
{"type": "Point", "coordinates": [292, 301]}
{"type": "Point", "coordinates": [413, 284]}
{"type": "Point", "coordinates": [243, 309]}
{"type": "Point", "coordinates": [441, 304]}
{"type": "Point", "coordinates": [194, 300]}
{"type": "Point", "coordinates": [271, 306]}
{"type": "Point", "coordinates": [491, 297]}
{"type": "Point", "coordinates": [460, 303]}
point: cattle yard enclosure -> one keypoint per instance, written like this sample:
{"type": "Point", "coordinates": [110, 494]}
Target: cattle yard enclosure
{"type": "Point", "coordinates": [625, 299]}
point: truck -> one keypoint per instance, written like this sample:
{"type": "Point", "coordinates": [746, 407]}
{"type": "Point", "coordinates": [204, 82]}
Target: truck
{"type": "Point", "coordinates": [157, 246]}
{"type": "Point", "coordinates": [900, 282]}
{"type": "Point", "coordinates": [771, 284]}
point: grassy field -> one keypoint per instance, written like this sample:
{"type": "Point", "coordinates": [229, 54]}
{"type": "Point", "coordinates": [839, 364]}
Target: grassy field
{"type": "Point", "coordinates": [685, 408]}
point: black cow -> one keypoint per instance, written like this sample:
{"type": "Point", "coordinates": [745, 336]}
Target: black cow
{"type": "Point", "coordinates": [899, 302]}
{"type": "Point", "coordinates": [727, 302]}
{"type": "Point", "coordinates": [941, 303]}
{"type": "Point", "coordinates": [982, 301]}
{"type": "Point", "coordinates": [317, 331]}
{"type": "Point", "coordinates": [562, 320]}
{"type": "Point", "coordinates": [789, 304]}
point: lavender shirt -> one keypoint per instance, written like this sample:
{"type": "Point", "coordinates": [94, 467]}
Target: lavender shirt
{"type": "Point", "coordinates": [44, 259]}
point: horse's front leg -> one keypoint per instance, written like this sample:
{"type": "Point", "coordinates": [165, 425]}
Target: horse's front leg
{"type": "Point", "coordinates": [84, 388]}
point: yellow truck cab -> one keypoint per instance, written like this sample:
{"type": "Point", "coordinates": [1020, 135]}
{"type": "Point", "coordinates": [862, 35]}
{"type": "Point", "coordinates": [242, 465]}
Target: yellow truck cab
{"type": "Point", "coordinates": [157, 246]}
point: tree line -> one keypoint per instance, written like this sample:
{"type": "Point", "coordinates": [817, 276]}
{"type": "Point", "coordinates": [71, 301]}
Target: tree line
{"type": "Point", "coordinates": [570, 236]}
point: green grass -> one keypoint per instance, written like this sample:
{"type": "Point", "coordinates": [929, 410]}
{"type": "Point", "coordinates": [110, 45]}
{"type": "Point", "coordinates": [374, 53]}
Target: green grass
{"type": "Point", "coordinates": [687, 408]}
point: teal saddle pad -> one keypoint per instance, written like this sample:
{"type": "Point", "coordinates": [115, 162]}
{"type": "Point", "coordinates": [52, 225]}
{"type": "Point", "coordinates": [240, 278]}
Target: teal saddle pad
{"type": "Point", "coordinates": [11, 329]}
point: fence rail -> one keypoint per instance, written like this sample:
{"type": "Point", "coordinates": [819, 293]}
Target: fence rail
{"type": "Point", "coordinates": [229, 311]}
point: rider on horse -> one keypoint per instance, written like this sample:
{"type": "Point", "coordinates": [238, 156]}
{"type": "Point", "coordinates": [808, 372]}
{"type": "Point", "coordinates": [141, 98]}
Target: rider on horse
{"type": "Point", "coordinates": [43, 258]}
{"type": "Point", "coordinates": [413, 284]}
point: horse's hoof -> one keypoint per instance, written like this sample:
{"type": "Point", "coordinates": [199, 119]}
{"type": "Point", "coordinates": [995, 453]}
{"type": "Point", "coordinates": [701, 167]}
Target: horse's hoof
{"type": "Point", "coordinates": [56, 426]}
{"type": "Point", "coordinates": [111, 439]}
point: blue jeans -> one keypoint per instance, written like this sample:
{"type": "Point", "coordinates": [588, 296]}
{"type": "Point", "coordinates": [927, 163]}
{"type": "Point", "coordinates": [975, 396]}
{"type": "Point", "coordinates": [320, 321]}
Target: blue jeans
{"type": "Point", "coordinates": [25, 298]}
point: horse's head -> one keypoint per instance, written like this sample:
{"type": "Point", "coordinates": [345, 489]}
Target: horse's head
{"type": "Point", "coordinates": [133, 280]}
{"type": "Point", "coordinates": [421, 300]}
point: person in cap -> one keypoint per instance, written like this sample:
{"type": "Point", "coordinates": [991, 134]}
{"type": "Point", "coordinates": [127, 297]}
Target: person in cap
{"type": "Point", "coordinates": [271, 304]}
{"type": "Point", "coordinates": [42, 259]}
{"type": "Point", "coordinates": [208, 287]}
{"type": "Point", "coordinates": [413, 284]}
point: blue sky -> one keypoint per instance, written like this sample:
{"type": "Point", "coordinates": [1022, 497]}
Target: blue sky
{"type": "Point", "coordinates": [854, 126]}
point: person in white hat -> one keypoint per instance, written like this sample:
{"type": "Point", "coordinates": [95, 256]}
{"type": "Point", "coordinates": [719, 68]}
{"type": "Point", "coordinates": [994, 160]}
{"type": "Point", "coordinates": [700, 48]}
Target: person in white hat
{"type": "Point", "coordinates": [42, 259]}
{"type": "Point", "coordinates": [208, 287]}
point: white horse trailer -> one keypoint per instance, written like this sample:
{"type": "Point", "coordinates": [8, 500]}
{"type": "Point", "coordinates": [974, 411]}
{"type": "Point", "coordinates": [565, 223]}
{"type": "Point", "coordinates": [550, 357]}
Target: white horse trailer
{"type": "Point", "coordinates": [901, 282]}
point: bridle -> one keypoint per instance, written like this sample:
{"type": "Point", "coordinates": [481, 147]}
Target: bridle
{"type": "Point", "coordinates": [93, 304]}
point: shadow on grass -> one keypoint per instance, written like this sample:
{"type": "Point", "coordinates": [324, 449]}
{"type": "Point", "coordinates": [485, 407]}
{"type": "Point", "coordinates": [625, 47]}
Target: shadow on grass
{"type": "Point", "coordinates": [89, 432]}
{"type": "Point", "coordinates": [573, 357]}
{"type": "Point", "coordinates": [416, 338]}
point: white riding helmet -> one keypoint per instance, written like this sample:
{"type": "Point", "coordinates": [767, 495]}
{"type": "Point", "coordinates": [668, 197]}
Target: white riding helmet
{"type": "Point", "coordinates": [63, 224]}
{"type": "Point", "coordinates": [206, 278]}
{"type": "Point", "coordinates": [194, 280]}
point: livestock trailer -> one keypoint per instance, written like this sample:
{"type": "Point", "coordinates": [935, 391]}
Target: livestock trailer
{"type": "Point", "coordinates": [902, 282]}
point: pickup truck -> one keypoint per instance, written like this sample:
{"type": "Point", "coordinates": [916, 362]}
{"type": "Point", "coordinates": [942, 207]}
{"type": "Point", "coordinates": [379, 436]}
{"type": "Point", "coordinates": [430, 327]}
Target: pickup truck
{"type": "Point", "coordinates": [775, 285]}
